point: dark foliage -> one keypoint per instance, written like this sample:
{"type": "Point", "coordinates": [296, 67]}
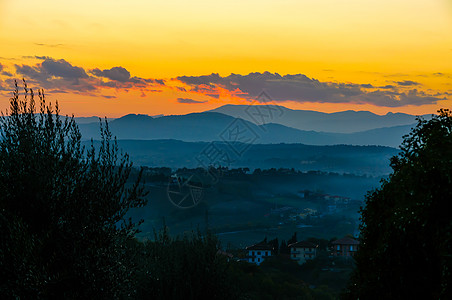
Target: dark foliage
{"type": "Point", "coordinates": [406, 231]}
{"type": "Point", "coordinates": [62, 208]}
{"type": "Point", "coordinates": [191, 267]}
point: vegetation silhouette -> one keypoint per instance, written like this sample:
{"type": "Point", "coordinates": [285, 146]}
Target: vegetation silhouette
{"type": "Point", "coordinates": [406, 241]}
{"type": "Point", "coordinates": [63, 219]}
{"type": "Point", "coordinates": [63, 208]}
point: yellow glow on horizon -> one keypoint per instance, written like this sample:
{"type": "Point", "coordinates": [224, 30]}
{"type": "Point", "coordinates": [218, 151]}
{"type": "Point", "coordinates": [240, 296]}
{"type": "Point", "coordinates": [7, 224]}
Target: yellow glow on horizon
{"type": "Point", "coordinates": [360, 41]}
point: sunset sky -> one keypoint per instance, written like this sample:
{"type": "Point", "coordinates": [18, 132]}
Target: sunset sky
{"type": "Point", "coordinates": [114, 57]}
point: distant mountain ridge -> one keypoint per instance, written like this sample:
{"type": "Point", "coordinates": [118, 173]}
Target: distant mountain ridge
{"type": "Point", "coordinates": [213, 126]}
{"type": "Point", "coordinates": [338, 122]}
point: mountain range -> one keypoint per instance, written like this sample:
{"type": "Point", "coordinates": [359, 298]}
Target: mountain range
{"type": "Point", "coordinates": [308, 127]}
{"type": "Point", "coordinates": [339, 122]}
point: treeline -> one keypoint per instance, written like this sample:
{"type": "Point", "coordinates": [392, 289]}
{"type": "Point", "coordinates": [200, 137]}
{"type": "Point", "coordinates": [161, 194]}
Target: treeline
{"type": "Point", "coordinates": [163, 174]}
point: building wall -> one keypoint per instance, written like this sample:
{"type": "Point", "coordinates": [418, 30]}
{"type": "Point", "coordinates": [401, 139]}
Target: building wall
{"type": "Point", "coordinates": [258, 256]}
{"type": "Point", "coordinates": [301, 255]}
{"type": "Point", "coordinates": [344, 250]}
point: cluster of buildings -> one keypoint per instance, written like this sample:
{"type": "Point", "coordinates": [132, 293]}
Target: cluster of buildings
{"type": "Point", "coordinates": [303, 250]}
{"type": "Point", "coordinates": [328, 204]}
{"type": "Point", "coordinates": [333, 202]}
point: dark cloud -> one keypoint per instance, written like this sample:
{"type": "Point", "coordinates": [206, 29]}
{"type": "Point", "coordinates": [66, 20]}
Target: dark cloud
{"type": "Point", "coordinates": [36, 73]}
{"type": "Point", "coordinates": [415, 97]}
{"type": "Point", "coordinates": [299, 87]}
{"type": "Point", "coordinates": [61, 75]}
{"type": "Point", "coordinates": [116, 73]}
{"type": "Point", "coordinates": [395, 75]}
{"type": "Point", "coordinates": [52, 69]}
{"type": "Point", "coordinates": [439, 74]}
{"type": "Point", "coordinates": [296, 87]}
{"type": "Point", "coordinates": [189, 101]}
{"type": "Point", "coordinates": [61, 68]}
{"type": "Point", "coordinates": [57, 74]}
{"type": "Point", "coordinates": [120, 78]}
{"type": "Point", "coordinates": [407, 83]}
{"type": "Point", "coordinates": [159, 81]}
{"type": "Point", "coordinates": [181, 89]}
{"type": "Point", "coordinates": [204, 79]}
{"type": "Point", "coordinates": [394, 99]}
{"type": "Point", "coordinates": [37, 57]}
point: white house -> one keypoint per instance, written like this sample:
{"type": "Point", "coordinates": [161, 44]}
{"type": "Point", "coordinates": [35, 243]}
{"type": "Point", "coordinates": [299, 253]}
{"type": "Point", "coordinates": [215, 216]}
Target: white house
{"type": "Point", "coordinates": [302, 251]}
{"type": "Point", "coordinates": [258, 252]}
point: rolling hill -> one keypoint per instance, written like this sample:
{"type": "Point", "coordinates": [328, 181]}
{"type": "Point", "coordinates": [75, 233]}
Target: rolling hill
{"type": "Point", "coordinates": [212, 126]}
{"type": "Point", "coordinates": [339, 122]}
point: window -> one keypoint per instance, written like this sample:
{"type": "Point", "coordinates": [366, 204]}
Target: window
{"type": "Point", "coordinates": [338, 247]}
{"type": "Point", "coordinates": [258, 253]}
{"type": "Point", "coordinates": [294, 255]}
{"type": "Point", "coordinates": [258, 260]}
{"type": "Point", "coordinates": [351, 247]}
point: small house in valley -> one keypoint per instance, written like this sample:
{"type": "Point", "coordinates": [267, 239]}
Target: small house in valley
{"type": "Point", "coordinates": [344, 247]}
{"type": "Point", "coordinates": [302, 251]}
{"type": "Point", "coordinates": [258, 252]}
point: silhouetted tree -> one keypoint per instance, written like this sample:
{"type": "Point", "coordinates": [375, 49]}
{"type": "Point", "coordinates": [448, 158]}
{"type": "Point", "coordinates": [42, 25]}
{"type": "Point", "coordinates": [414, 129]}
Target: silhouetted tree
{"type": "Point", "coordinates": [191, 267]}
{"type": "Point", "coordinates": [257, 171]}
{"type": "Point", "coordinates": [406, 241]}
{"type": "Point", "coordinates": [283, 249]}
{"type": "Point", "coordinates": [275, 245]}
{"type": "Point", "coordinates": [62, 208]}
{"type": "Point", "coordinates": [293, 239]}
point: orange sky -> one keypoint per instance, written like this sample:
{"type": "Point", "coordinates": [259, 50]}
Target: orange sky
{"type": "Point", "coordinates": [349, 50]}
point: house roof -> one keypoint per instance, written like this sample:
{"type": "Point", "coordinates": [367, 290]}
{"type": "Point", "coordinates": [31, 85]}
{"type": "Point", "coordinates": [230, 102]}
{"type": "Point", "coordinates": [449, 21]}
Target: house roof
{"type": "Point", "coordinates": [260, 246]}
{"type": "Point", "coordinates": [346, 241]}
{"type": "Point", "coordinates": [303, 244]}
